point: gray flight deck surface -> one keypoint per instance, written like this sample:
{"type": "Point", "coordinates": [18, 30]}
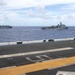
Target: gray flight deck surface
{"type": "Point", "coordinates": [38, 57]}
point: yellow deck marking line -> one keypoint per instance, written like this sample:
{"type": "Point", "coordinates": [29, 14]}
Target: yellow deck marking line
{"type": "Point", "coordinates": [35, 52]}
{"type": "Point", "coordinates": [38, 66]}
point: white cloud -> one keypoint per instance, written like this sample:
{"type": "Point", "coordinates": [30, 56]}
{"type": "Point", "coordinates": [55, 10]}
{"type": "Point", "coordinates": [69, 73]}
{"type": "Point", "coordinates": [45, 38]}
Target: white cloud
{"type": "Point", "coordinates": [30, 12]}
{"type": "Point", "coordinates": [1, 18]}
{"type": "Point", "coordinates": [40, 13]}
{"type": "Point", "coordinates": [33, 3]}
{"type": "Point", "coordinates": [41, 8]}
{"type": "Point", "coordinates": [69, 7]}
{"type": "Point", "coordinates": [20, 3]}
{"type": "Point", "coordinates": [2, 3]}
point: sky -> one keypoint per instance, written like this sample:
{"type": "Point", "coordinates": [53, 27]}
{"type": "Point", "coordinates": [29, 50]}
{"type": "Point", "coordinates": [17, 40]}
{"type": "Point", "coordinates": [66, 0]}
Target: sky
{"type": "Point", "coordinates": [37, 12]}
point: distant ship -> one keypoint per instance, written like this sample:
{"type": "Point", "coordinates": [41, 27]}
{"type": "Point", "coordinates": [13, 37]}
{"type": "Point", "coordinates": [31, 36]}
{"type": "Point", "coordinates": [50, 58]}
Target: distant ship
{"type": "Point", "coordinates": [5, 26]}
{"type": "Point", "coordinates": [59, 26]}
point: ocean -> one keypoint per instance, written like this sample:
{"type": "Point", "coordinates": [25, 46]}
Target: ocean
{"type": "Point", "coordinates": [20, 33]}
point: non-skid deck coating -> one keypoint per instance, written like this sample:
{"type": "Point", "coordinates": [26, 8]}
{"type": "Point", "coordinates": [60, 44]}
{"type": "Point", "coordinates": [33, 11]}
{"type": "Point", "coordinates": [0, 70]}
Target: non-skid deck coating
{"type": "Point", "coordinates": [38, 66]}
{"type": "Point", "coordinates": [68, 50]}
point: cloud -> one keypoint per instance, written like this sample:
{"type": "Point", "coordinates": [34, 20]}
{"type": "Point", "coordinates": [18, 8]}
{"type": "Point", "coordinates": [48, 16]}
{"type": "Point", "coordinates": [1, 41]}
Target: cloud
{"type": "Point", "coordinates": [42, 12]}
{"type": "Point", "coordinates": [14, 4]}
{"type": "Point", "coordinates": [2, 3]}
{"type": "Point", "coordinates": [34, 10]}
{"type": "Point", "coordinates": [1, 19]}
{"type": "Point", "coordinates": [69, 7]}
{"type": "Point", "coordinates": [32, 3]}
{"type": "Point", "coordinates": [41, 8]}
{"type": "Point", "coordinates": [30, 12]}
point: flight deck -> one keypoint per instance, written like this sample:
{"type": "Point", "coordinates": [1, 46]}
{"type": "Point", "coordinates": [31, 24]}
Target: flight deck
{"type": "Point", "coordinates": [44, 58]}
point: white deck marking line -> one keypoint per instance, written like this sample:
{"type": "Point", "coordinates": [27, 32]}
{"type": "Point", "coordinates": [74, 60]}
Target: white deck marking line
{"type": "Point", "coordinates": [35, 52]}
{"type": "Point", "coordinates": [46, 56]}
{"type": "Point", "coordinates": [36, 60]}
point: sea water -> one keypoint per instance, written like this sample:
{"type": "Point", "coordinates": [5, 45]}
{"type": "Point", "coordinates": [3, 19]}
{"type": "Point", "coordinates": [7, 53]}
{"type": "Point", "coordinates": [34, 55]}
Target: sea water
{"type": "Point", "coordinates": [24, 33]}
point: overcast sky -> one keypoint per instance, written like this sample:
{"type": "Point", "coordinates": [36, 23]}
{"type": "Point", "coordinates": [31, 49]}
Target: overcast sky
{"type": "Point", "coordinates": [37, 12]}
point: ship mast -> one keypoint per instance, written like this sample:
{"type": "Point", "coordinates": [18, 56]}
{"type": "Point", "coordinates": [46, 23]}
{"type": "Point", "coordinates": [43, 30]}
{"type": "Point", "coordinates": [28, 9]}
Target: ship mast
{"type": "Point", "coordinates": [60, 23]}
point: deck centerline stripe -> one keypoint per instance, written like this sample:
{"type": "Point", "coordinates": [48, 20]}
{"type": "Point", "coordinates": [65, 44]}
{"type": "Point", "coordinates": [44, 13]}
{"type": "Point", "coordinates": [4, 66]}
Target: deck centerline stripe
{"type": "Point", "coordinates": [35, 52]}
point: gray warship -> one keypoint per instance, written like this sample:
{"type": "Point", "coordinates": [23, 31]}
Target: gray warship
{"type": "Point", "coordinates": [59, 27]}
{"type": "Point", "coordinates": [5, 26]}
